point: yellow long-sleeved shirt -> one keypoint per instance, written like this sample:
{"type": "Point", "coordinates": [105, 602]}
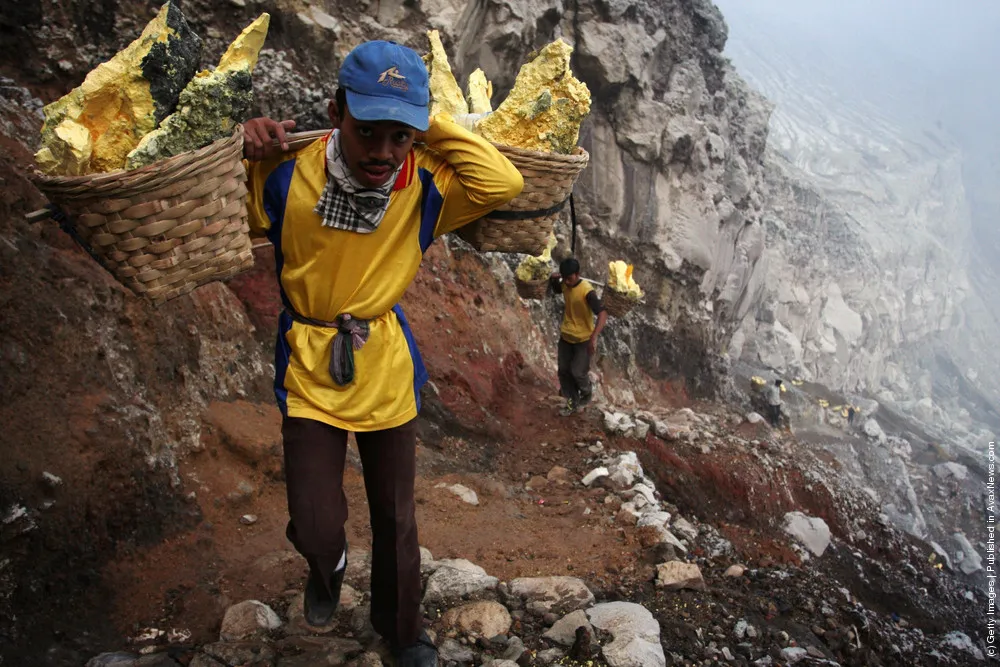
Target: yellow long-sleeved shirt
{"type": "Point", "coordinates": [323, 272]}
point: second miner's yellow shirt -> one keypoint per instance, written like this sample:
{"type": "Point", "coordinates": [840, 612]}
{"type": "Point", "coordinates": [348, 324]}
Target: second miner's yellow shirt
{"type": "Point", "coordinates": [578, 318]}
{"type": "Point", "coordinates": [324, 272]}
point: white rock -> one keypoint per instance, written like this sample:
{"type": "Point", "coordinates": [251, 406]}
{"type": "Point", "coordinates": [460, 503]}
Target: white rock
{"type": "Point", "coordinates": [621, 478]}
{"type": "Point", "coordinates": [971, 561]}
{"type": "Point", "coordinates": [671, 539]}
{"type": "Point", "coordinates": [618, 422]}
{"type": "Point", "coordinates": [427, 563]}
{"type": "Point", "coordinates": [465, 493]}
{"type": "Point", "coordinates": [962, 642]}
{"type": "Point", "coordinates": [636, 634]}
{"type": "Point", "coordinates": [641, 430]}
{"type": "Point", "coordinates": [484, 619]}
{"type": "Point", "coordinates": [676, 575]}
{"type": "Point", "coordinates": [658, 519]}
{"type": "Point", "coordinates": [734, 571]}
{"type": "Point", "coordinates": [956, 470]}
{"type": "Point", "coordinates": [50, 480]}
{"type": "Point", "coordinates": [741, 628]}
{"type": "Point", "coordinates": [794, 654]}
{"type": "Point", "coordinates": [564, 630]}
{"type": "Point", "coordinates": [685, 529]}
{"type": "Point", "coordinates": [556, 595]}
{"type": "Point", "coordinates": [812, 532]}
{"type": "Point", "coordinates": [455, 578]}
{"type": "Point", "coordinates": [755, 418]}
{"type": "Point", "coordinates": [594, 474]}
{"type": "Point", "coordinates": [645, 490]}
{"type": "Point", "coordinates": [874, 431]}
{"type": "Point", "coordinates": [246, 619]}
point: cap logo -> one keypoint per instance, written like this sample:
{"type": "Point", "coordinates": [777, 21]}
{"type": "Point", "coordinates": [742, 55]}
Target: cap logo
{"type": "Point", "coordinates": [392, 78]}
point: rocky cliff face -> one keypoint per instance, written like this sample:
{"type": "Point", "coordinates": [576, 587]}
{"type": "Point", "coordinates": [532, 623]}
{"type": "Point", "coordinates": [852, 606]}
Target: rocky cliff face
{"type": "Point", "coordinates": [872, 276]}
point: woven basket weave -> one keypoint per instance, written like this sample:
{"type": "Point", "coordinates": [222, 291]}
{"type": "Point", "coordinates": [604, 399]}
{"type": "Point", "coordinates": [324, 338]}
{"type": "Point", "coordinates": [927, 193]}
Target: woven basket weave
{"type": "Point", "coordinates": [525, 223]}
{"type": "Point", "coordinates": [166, 228]}
{"type": "Point", "coordinates": [616, 303]}
{"type": "Point", "coordinates": [532, 289]}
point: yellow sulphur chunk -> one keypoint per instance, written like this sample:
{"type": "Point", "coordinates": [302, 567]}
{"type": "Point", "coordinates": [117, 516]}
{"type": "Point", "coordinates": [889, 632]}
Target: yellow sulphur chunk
{"type": "Point", "coordinates": [620, 280]}
{"type": "Point", "coordinates": [479, 92]}
{"type": "Point", "coordinates": [537, 268]}
{"type": "Point", "coordinates": [445, 93]}
{"type": "Point", "coordinates": [121, 100]}
{"type": "Point", "coordinates": [546, 107]}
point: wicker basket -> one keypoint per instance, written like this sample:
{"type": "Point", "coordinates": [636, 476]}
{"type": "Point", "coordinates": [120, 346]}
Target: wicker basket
{"type": "Point", "coordinates": [616, 303]}
{"type": "Point", "coordinates": [524, 224]}
{"type": "Point", "coordinates": [166, 228]}
{"type": "Point", "coordinates": [532, 289]}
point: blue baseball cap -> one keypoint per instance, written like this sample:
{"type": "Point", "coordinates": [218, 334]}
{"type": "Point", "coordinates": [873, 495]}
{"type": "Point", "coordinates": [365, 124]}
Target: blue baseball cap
{"type": "Point", "coordinates": [386, 81]}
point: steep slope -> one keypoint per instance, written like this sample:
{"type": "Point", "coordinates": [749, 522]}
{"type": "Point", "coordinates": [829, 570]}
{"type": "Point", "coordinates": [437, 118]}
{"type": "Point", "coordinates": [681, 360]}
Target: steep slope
{"type": "Point", "coordinates": [873, 272]}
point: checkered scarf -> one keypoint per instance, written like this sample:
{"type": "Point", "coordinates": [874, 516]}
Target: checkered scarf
{"type": "Point", "coordinates": [345, 203]}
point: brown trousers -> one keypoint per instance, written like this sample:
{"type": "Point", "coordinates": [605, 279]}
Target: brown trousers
{"type": "Point", "coordinates": [317, 505]}
{"type": "Point", "coordinates": [574, 370]}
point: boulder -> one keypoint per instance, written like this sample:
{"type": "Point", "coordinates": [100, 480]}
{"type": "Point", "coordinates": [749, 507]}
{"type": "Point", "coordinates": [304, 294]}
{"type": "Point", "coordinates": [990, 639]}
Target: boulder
{"type": "Point", "coordinates": [248, 619]}
{"type": "Point", "coordinates": [811, 532]}
{"type": "Point", "coordinates": [556, 595]}
{"type": "Point", "coordinates": [563, 631]}
{"type": "Point", "coordinates": [685, 529]}
{"type": "Point", "coordinates": [451, 651]}
{"type": "Point", "coordinates": [676, 575]}
{"type": "Point", "coordinates": [484, 619]}
{"type": "Point", "coordinates": [456, 578]}
{"type": "Point", "coordinates": [594, 474]}
{"type": "Point", "coordinates": [635, 633]}
{"type": "Point", "coordinates": [466, 494]}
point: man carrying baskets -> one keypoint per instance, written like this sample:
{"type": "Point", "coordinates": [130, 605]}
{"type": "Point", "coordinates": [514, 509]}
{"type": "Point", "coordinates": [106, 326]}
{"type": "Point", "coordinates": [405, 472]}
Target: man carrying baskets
{"type": "Point", "coordinates": [578, 334]}
{"type": "Point", "coordinates": [350, 217]}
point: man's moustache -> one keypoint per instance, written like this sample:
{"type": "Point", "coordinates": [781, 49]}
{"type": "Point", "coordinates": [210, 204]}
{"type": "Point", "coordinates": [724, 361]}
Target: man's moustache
{"type": "Point", "coordinates": [378, 163]}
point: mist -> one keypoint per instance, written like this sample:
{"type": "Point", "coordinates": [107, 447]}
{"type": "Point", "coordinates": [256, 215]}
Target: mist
{"type": "Point", "coordinates": [921, 62]}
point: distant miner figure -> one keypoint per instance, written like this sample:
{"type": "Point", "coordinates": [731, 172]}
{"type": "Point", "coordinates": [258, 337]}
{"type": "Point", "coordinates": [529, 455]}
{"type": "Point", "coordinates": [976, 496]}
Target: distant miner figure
{"type": "Point", "coordinates": [350, 217]}
{"type": "Point", "coordinates": [850, 415]}
{"type": "Point", "coordinates": [578, 334]}
{"type": "Point", "coordinates": [774, 403]}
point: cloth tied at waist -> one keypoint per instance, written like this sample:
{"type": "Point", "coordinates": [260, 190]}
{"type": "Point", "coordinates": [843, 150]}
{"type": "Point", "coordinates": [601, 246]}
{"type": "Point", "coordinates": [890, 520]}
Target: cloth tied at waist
{"type": "Point", "coordinates": [352, 334]}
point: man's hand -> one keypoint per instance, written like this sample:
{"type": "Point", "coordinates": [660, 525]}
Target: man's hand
{"type": "Point", "coordinates": [592, 346]}
{"type": "Point", "coordinates": [259, 135]}
{"type": "Point", "coordinates": [556, 275]}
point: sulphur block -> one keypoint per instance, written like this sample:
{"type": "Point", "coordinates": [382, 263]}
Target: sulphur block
{"type": "Point", "coordinates": [620, 280]}
{"type": "Point", "coordinates": [445, 93]}
{"type": "Point", "coordinates": [537, 268]}
{"type": "Point", "coordinates": [121, 99]}
{"type": "Point", "coordinates": [212, 103]}
{"type": "Point", "coordinates": [545, 108]}
{"type": "Point", "coordinates": [70, 155]}
{"type": "Point", "coordinates": [478, 93]}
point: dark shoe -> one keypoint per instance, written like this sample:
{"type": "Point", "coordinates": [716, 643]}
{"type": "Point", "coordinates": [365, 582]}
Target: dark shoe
{"type": "Point", "coordinates": [584, 399]}
{"type": "Point", "coordinates": [421, 654]}
{"type": "Point", "coordinates": [321, 602]}
{"type": "Point", "coordinates": [569, 408]}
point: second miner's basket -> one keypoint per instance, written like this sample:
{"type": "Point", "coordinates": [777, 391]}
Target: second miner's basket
{"type": "Point", "coordinates": [616, 303]}
{"type": "Point", "coordinates": [165, 228]}
{"type": "Point", "coordinates": [524, 224]}
{"type": "Point", "coordinates": [532, 289]}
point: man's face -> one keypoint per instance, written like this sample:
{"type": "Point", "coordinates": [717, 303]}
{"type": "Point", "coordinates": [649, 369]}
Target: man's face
{"type": "Point", "coordinates": [572, 279]}
{"type": "Point", "coordinates": [373, 149]}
